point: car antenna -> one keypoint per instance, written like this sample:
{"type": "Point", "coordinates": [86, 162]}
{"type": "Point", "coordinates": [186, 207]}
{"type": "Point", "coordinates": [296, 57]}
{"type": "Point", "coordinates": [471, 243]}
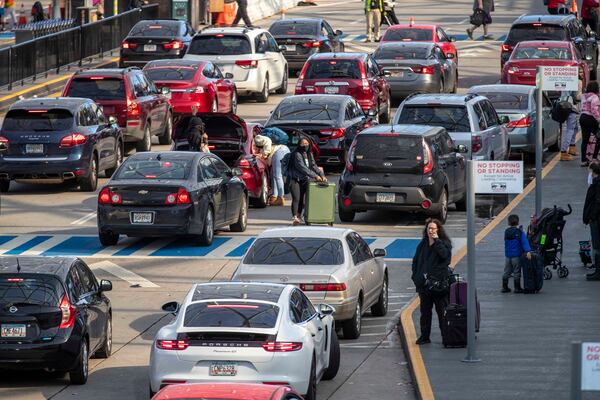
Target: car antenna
{"type": "Point", "coordinates": [392, 129]}
{"type": "Point", "coordinates": [18, 265]}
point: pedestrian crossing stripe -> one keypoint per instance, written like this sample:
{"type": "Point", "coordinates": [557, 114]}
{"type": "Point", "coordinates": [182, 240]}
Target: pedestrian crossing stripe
{"type": "Point", "coordinates": [459, 38]}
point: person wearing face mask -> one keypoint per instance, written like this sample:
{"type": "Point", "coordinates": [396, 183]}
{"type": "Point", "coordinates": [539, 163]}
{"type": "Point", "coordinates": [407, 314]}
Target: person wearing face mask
{"type": "Point", "coordinates": [301, 169]}
{"type": "Point", "coordinates": [591, 217]}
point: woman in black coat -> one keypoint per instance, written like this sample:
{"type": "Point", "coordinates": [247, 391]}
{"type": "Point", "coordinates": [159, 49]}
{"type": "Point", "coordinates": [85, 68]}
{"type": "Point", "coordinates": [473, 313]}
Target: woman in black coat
{"type": "Point", "coordinates": [591, 217]}
{"type": "Point", "coordinates": [431, 262]}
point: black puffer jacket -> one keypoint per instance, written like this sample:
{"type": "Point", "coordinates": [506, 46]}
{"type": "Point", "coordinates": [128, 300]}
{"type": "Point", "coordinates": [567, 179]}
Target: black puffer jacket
{"type": "Point", "coordinates": [432, 260]}
{"type": "Point", "coordinates": [591, 207]}
{"type": "Point", "coordinates": [299, 171]}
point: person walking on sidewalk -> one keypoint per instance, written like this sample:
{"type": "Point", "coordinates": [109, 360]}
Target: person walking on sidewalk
{"type": "Point", "coordinates": [568, 150]}
{"type": "Point", "coordinates": [242, 13]}
{"type": "Point", "coordinates": [373, 11]}
{"type": "Point", "coordinates": [515, 244]}
{"type": "Point", "coordinates": [430, 273]}
{"type": "Point", "coordinates": [487, 6]}
{"type": "Point", "coordinates": [589, 119]}
{"type": "Point", "coordinates": [555, 5]}
{"type": "Point", "coordinates": [588, 9]}
{"type": "Point", "coordinates": [9, 12]}
{"type": "Point", "coordinates": [591, 217]}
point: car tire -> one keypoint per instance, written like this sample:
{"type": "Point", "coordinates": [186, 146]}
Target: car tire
{"type": "Point", "coordinates": [242, 222]}
{"type": "Point", "coordinates": [167, 136]}
{"type": "Point", "coordinates": [346, 216]}
{"type": "Point", "coordinates": [263, 199]}
{"type": "Point", "coordinates": [79, 375]}
{"type": "Point", "coordinates": [146, 143]}
{"type": "Point", "coordinates": [118, 160]}
{"type": "Point", "coordinates": [352, 327]}
{"type": "Point", "coordinates": [234, 102]}
{"type": "Point", "coordinates": [263, 96]}
{"type": "Point", "coordinates": [208, 231]}
{"type": "Point", "coordinates": [594, 73]}
{"type": "Point", "coordinates": [4, 185]}
{"type": "Point", "coordinates": [311, 392]}
{"type": "Point", "coordinates": [385, 117]}
{"type": "Point", "coordinates": [90, 182]}
{"type": "Point", "coordinates": [380, 308]}
{"type": "Point", "coordinates": [284, 83]}
{"type": "Point", "coordinates": [455, 87]}
{"type": "Point", "coordinates": [334, 358]}
{"type": "Point", "coordinates": [442, 214]}
{"type": "Point", "coordinates": [106, 350]}
{"type": "Point", "coordinates": [151, 392]}
{"type": "Point", "coordinates": [108, 238]}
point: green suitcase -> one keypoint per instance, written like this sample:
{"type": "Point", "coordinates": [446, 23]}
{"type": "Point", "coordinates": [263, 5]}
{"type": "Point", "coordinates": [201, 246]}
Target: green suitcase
{"type": "Point", "coordinates": [320, 203]}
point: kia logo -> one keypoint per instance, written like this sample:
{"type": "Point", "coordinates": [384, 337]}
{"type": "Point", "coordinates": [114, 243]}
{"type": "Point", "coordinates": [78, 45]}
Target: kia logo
{"type": "Point", "coordinates": [387, 164]}
{"type": "Point", "coordinates": [283, 279]}
{"type": "Point", "coordinates": [13, 309]}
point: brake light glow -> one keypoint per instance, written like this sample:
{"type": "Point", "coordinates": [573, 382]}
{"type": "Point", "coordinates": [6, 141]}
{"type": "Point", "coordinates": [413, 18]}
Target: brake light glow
{"type": "Point", "coordinates": [322, 287]}
{"type": "Point", "coordinates": [506, 48]}
{"type": "Point", "coordinates": [313, 44]}
{"type": "Point", "coordinates": [15, 280]}
{"type": "Point", "coordinates": [128, 45]}
{"type": "Point", "coordinates": [219, 35]}
{"type": "Point", "coordinates": [181, 197]}
{"type": "Point", "coordinates": [174, 45]}
{"type": "Point", "coordinates": [334, 133]}
{"type": "Point", "coordinates": [363, 77]}
{"type": "Point", "coordinates": [231, 306]}
{"type": "Point", "coordinates": [37, 111]}
{"type": "Point", "coordinates": [522, 123]}
{"type": "Point", "coordinates": [68, 313]}
{"type": "Point", "coordinates": [247, 63]}
{"type": "Point", "coordinates": [282, 346]}
{"type": "Point", "coordinates": [96, 78]}
{"type": "Point", "coordinates": [133, 109]}
{"type": "Point", "coordinates": [512, 70]}
{"type": "Point", "coordinates": [172, 344]}
{"type": "Point", "coordinates": [4, 141]}
{"type": "Point", "coordinates": [244, 163]}
{"type": "Point", "coordinates": [107, 197]}
{"type": "Point", "coordinates": [476, 143]}
{"type": "Point", "coordinates": [423, 70]}
{"type": "Point", "coordinates": [537, 24]}
{"type": "Point", "coordinates": [427, 158]}
{"type": "Point", "coordinates": [426, 204]}
{"type": "Point", "coordinates": [72, 140]}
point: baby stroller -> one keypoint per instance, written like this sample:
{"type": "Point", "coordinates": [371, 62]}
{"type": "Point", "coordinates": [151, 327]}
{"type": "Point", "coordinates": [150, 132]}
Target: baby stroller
{"type": "Point", "coordinates": [545, 238]}
{"type": "Point", "coordinates": [388, 16]}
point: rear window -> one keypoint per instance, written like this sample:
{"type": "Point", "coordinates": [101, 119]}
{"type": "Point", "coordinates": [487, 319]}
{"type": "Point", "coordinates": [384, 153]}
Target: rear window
{"type": "Point", "coordinates": [97, 88]}
{"type": "Point", "coordinates": [401, 53]}
{"type": "Point", "coordinates": [508, 101]}
{"type": "Point", "coordinates": [154, 169]}
{"type": "Point", "coordinates": [147, 29]}
{"type": "Point", "coordinates": [453, 118]}
{"type": "Point", "coordinates": [295, 251]}
{"type": "Point", "coordinates": [231, 315]}
{"type": "Point", "coordinates": [520, 33]}
{"type": "Point", "coordinates": [409, 34]}
{"type": "Point", "coordinates": [37, 290]}
{"type": "Point", "coordinates": [225, 45]}
{"type": "Point", "coordinates": [38, 120]}
{"type": "Point", "coordinates": [294, 111]}
{"type": "Point", "coordinates": [290, 28]}
{"type": "Point", "coordinates": [542, 53]}
{"type": "Point", "coordinates": [324, 69]}
{"type": "Point", "coordinates": [171, 73]}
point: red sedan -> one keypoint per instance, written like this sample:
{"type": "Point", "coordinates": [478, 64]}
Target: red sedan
{"type": "Point", "coordinates": [520, 69]}
{"type": "Point", "coordinates": [227, 391]}
{"type": "Point", "coordinates": [422, 33]}
{"type": "Point", "coordinates": [194, 83]}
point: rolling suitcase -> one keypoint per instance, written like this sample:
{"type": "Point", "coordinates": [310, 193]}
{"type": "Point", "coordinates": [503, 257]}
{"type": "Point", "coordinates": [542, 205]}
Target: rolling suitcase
{"type": "Point", "coordinates": [533, 273]}
{"type": "Point", "coordinates": [458, 295]}
{"type": "Point", "coordinates": [454, 332]}
{"type": "Point", "coordinates": [320, 203]}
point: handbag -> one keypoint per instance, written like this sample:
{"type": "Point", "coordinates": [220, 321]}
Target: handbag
{"type": "Point", "coordinates": [437, 287]}
{"type": "Point", "coordinates": [478, 17]}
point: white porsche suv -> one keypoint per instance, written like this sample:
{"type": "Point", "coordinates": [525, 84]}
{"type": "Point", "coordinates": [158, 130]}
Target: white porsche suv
{"type": "Point", "coordinates": [246, 333]}
{"type": "Point", "coordinates": [251, 54]}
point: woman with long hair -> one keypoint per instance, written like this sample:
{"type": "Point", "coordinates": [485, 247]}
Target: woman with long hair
{"type": "Point", "coordinates": [589, 119]}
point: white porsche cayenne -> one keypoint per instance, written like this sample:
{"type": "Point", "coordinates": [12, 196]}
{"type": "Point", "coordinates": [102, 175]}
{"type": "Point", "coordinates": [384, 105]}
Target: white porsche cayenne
{"type": "Point", "coordinates": [246, 332]}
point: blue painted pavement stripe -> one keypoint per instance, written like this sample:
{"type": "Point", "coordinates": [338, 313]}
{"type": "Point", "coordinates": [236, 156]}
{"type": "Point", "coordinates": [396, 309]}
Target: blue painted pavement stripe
{"type": "Point", "coordinates": [76, 246]}
{"type": "Point", "coordinates": [132, 248]}
{"type": "Point", "coordinates": [369, 240]}
{"type": "Point", "coordinates": [4, 239]}
{"type": "Point", "coordinates": [402, 248]}
{"type": "Point", "coordinates": [179, 249]}
{"type": "Point", "coordinates": [27, 245]}
{"type": "Point", "coordinates": [241, 249]}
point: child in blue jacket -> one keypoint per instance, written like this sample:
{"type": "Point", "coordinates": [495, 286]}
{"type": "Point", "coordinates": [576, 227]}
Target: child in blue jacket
{"type": "Point", "coordinates": [515, 244]}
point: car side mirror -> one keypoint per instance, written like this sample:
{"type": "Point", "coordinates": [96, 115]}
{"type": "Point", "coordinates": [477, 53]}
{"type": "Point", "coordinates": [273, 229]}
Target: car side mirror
{"type": "Point", "coordinates": [589, 57]}
{"type": "Point", "coordinates": [592, 35]}
{"type": "Point", "coordinates": [165, 90]}
{"type": "Point", "coordinates": [105, 285]}
{"type": "Point", "coordinates": [325, 309]}
{"type": "Point", "coordinates": [3, 147]}
{"type": "Point", "coordinates": [281, 47]}
{"type": "Point", "coordinates": [372, 113]}
{"type": "Point", "coordinates": [461, 148]}
{"type": "Point", "coordinates": [452, 39]}
{"type": "Point", "coordinates": [385, 72]}
{"type": "Point", "coordinates": [228, 75]}
{"type": "Point", "coordinates": [339, 33]}
{"type": "Point", "coordinates": [450, 56]}
{"type": "Point", "coordinates": [236, 172]}
{"type": "Point", "coordinates": [379, 253]}
{"type": "Point", "coordinates": [171, 307]}
{"type": "Point", "coordinates": [504, 119]}
{"type": "Point", "coordinates": [112, 120]}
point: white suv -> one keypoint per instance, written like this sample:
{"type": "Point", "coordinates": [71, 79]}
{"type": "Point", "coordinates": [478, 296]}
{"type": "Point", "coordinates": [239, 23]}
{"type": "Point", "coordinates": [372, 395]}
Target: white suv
{"type": "Point", "coordinates": [251, 54]}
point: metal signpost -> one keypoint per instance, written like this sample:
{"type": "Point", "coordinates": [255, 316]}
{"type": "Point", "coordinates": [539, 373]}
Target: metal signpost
{"type": "Point", "coordinates": [585, 368]}
{"type": "Point", "coordinates": [484, 177]}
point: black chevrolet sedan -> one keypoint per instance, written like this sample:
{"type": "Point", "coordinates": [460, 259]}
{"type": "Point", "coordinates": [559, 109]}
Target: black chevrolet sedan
{"type": "Point", "coordinates": [54, 314]}
{"type": "Point", "coordinates": [182, 193]}
{"type": "Point", "coordinates": [52, 140]}
{"type": "Point", "coordinates": [155, 40]}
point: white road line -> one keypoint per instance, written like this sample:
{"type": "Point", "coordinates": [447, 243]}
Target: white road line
{"type": "Point", "coordinates": [397, 303]}
{"type": "Point", "coordinates": [84, 219]}
{"type": "Point", "coordinates": [152, 247]}
{"type": "Point", "coordinates": [46, 245]}
{"type": "Point", "coordinates": [373, 334]}
{"type": "Point", "coordinates": [227, 247]}
{"type": "Point", "coordinates": [381, 243]}
{"type": "Point", "coordinates": [123, 274]}
{"type": "Point", "coordinates": [374, 326]}
{"type": "Point", "coordinates": [16, 242]}
{"type": "Point", "coordinates": [400, 296]}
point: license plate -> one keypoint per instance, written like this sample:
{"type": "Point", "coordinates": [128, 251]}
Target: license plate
{"type": "Point", "coordinates": [331, 89]}
{"type": "Point", "coordinates": [149, 47]}
{"type": "Point", "coordinates": [13, 331]}
{"type": "Point", "coordinates": [398, 74]}
{"type": "Point", "coordinates": [223, 369]}
{"type": "Point", "coordinates": [142, 217]}
{"type": "Point", "coordinates": [386, 197]}
{"type": "Point", "coordinates": [290, 47]}
{"type": "Point", "coordinates": [34, 148]}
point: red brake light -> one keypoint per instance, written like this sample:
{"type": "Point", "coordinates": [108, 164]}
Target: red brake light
{"type": "Point", "coordinates": [347, 202]}
{"type": "Point", "coordinates": [107, 197]}
{"type": "Point", "coordinates": [522, 123]}
{"type": "Point", "coordinates": [172, 344]}
{"type": "Point", "coordinates": [537, 24]}
{"type": "Point", "coordinates": [426, 204]}
{"type": "Point", "coordinates": [72, 140]}
{"type": "Point", "coordinates": [175, 45]}
{"type": "Point", "coordinates": [506, 48]}
{"type": "Point", "coordinates": [133, 109]}
{"type": "Point", "coordinates": [423, 70]}
{"type": "Point", "coordinates": [247, 63]}
{"type": "Point", "coordinates": [128, 45]}
{"type": "Point", "coordinates": [363, 77]}
{"type": "Point", "coordinates": [4, 141]}
{"type": "Point", "coordinates": [282, 346]}
{"type": "Point", "coordinates": [244, 163]}
{"type": "Point", "coordinates": [181, 197]}
{"type": "Point", "coordinates": [15, 280]}
{"type": "Point", "coordinates": [312, 44]}
{"type": "Point", "coordinates": [68, 313]}
{"type": "Point", "coordinates": [322, 287]}
{"type": "Point", "coordinates": [231, 306]}
{"type": "Point", "coordinates": [476, 144]}
{"type": "Point", "coordinates": [334, 133]}
{"type": "Point", "coordinates": [427, 159]}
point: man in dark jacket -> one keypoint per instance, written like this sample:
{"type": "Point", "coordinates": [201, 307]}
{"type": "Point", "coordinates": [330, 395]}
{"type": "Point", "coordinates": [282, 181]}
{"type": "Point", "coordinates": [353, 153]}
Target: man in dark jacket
{"type": "Point", "coordinates": [430, 264]}
{"type": "Point", "coordinates": [591, 217]}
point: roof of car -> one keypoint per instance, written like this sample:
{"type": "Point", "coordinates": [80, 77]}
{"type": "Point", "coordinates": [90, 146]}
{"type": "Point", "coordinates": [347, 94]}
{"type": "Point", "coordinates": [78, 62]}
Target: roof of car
{"type": "Point", "coordinates": [184, 155]}
{"type": "Point", "coordinates": [50, 102]}
{"type": "Point", "coordinates": [419, 26]}
{"type": "Point", "coordinates": [402, 129]}
{"type": "Point", "coordinates": [105, 72]}
{"type": "Point", "coordinates": [502, 88]}
{"type": "Point", "coordinates": [436, 98]}
{"type": "Point", "coordinates": [341, 56]}
{"type": "Point", "coordinates": [328, 98]}
{"type": "Point", "coordinates": [240, 30]}
{"type": "Point", "coordinates": [306, 231]}
{"type": "Point", "coordinates": [232, 391]}
{"type": "Point", "coordinates": [161, 21]}
{"type": "Point", "coordinates": [178, 62]}
{"type": "Point", "coordinates": [298, 20]}
{"type": "Point", "coordinates": [58, 266]}
{"type": "Point", "coordinates": [411, 45]}
{"type": "Point", "coordinates": [553, 43]}
{"type": "Point", "coordinates": [238, 290]}
{"type": "Point", "coordinates": [545, 19]}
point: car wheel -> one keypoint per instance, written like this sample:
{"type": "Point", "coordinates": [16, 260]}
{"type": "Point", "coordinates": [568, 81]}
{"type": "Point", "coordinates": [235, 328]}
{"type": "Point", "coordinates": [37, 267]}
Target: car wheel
{"type": "Point", "coordinates": [208, 232]}
{"type": "Point", "coordinates": [90, 183]}
{"type": "Point", "coordinates": [119, 160]}
{"type": "Point", "coordinates": [263, 199]}
{"type": "Point", "coordinates": [108, 238]}
{"type": "Point", "coordinates": [311, 393]}
{"type": "Point", "coordinates": [234, 102]}
{"type": "Point", "coordinates": [166, 137]}
{"type": "Point", "coordinates": [380, 308]}
{"type": "Point", "coordinates": [4, 185]}
{"type": "Point", "coordinates": [79, 375]}
{"type": "Point", "coordinates": [146, 143]}
{"type": "Point", "coordinates": [455, 87]}
{"type": "Point", "coordinates": [284, 84]}
{"type": "Point", "coordinates": [242, 222]}
{"type": "Point", "coordinates": [385, 117]}
{"type": "Point", "coordinates": [150, 391]}
{"type": "Point", "coordinates": [215, 106]}
{"type": "Point", "coordinates": [346, 216]}
{"type": "Point", "coordinates": [352, 327]}
{"type": "Point", "coordinates": [443, 212]}
{"type": "Point", "coordinates": [106, 350]}
{"type": "Point", "coordinates": [263, 96]}
{"type": "Point", "coordinates": [594, 73]}
{"type": "Point", "coordinates": [334, 358]}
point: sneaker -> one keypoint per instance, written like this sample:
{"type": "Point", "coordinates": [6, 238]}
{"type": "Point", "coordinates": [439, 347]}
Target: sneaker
{"type": "Point", "coordinates": [272, 201]}
{"type": "Point", "coordinates": [573, 150]}
{"type": "Point", "coordinates": [564, 156]}
{"type": "Point", "coordinates": [470, 33]}
{"type": "Point", "coordinates": [488, 37]}
{"type": "Point", "coordinates": [295, 221]}
{"type": "Point", "coordinates": [421, 340]}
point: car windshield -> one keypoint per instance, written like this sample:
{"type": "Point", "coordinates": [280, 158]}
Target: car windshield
{"type": "Point", "coordinates": [294, 28]}
{"type": "Point", "coordinates": [38, 120]}
{"type": "Point", "coordinates": [400, 53]}
{"type": "Point", "coordinates": [521, 33]}
{"type": "Point", "coordinates": [227, 314]}
{"type": "Point", "coordinates": [409, 34]}
{"type": "Point", "coordinates": [97, 88]}
{"type": "Point", "coordinates": [304, 111]}
{"type": "Point", "coordinates": [39, 290]}
{"type": "Point", "coordinates": [155, 168]}
{"type": "Point", "coordinates": [508, 101]}
{"type": "Point", "coordinates": [325, 69]}
{"type": "Point", "coordinates": [453, 118]}
{"type": "Point", "coordinates": [171, 73]}
{"type": "Point", "coordinates": [153, 29]}
{"type": "Point", "coordinates": [295, 251]}
{"type": "Point", "coordinates": [541, 52]}
{"type": "Point", "coordinates": [225, 45]}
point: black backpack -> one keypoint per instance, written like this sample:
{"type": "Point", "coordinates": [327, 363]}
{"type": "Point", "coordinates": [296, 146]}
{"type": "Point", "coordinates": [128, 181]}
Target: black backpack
{"type": "Point", "coordinates": [561, 110]}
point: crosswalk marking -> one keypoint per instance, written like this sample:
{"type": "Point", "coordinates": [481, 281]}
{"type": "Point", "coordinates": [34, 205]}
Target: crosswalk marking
{"type": "Point", "coordinates": [15, 242]}
{"type": "Point", "coordinates": [124, 274]}
{"type": "Point", "coordinates": [45, 245]}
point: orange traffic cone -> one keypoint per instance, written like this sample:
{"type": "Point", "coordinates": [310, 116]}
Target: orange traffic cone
{"type": "Point", "coordinates": [574, 7]}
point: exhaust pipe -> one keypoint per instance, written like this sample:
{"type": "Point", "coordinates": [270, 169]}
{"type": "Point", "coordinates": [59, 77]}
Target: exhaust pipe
{"type": "Point", "coordinates": [68, 175]}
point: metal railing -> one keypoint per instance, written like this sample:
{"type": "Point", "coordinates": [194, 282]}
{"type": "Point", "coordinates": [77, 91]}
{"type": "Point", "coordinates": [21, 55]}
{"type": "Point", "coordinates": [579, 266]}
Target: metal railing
{"type": "Point", "coordinates": [62, 49]}
{"type": "Point", "coordinates": [46, 27]}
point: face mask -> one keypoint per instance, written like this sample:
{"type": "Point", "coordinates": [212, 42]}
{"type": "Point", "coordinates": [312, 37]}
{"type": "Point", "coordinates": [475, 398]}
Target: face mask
{"type": "Point", "coordinates": [303, 148]}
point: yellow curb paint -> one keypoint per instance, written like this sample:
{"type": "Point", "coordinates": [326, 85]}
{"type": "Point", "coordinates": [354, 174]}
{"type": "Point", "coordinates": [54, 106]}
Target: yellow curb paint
{"type": "Point", "coordinates": [424, 389]}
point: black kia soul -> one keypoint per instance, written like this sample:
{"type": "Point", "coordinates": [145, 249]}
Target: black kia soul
{"type": "Point", "coordinates": [413, 168]}
{"type": "Point", "coordinates": [53, 315]}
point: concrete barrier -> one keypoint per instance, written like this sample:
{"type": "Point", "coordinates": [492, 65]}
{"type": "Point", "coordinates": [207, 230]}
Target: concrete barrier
{"type": "Point", "coordinates": [259, 9]}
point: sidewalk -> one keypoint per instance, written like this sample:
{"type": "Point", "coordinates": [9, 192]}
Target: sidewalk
{"type": "Point", "coordinates": [524, 343]}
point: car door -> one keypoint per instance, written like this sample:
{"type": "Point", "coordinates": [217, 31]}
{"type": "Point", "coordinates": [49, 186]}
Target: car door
{"type": "Point", "coordinates": [234, 189]}
{"type": "Point", "coordinates": [274, 57]}
{"type": "Point", "coordinates": [107, 138]}
{"type": "Point", "coordinates": [378, 84]}
{"type": "Point", "coordinates": [334, 40]}
{"type": "Point", "coordinates": [223, 87]}
{"type": "Point", "coordinates": [496, 129]}
{"type": "Point", "coordinates": [446, 44]}
{"type": "Point", "coordinates": [145, 101]}
{"type": "Point", "coordinates": [551, 128]}
{"type": "Point", "coordinates": [590, 43]}
{"type": "Point", "coordinates": [314, 325]}
{"type": "Point", "coordinates": [216, 187]}
{"type": "Point", "coordinates": [372, 270]}
{"type": "Point", "coordinates": [446, 69]}
{"type": "Point", "coordinates": [358, 265]}
{"type": "Point", "coordinates": [91, 299]}
{"type": "Point", "coordinates": [160, 102]}
{"type": "Point", "coordinates": [458, 161]}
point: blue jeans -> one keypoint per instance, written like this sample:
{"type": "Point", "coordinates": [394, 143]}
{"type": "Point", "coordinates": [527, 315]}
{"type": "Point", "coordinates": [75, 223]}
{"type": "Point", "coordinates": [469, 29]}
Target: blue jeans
{"type": "Point", "coordinates": [568, 132]}
{"type": "Point", "coordinates": [276, 172]}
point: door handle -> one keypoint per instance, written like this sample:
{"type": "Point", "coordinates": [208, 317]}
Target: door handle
{"type": "Point", "coordinates": [320, 329]}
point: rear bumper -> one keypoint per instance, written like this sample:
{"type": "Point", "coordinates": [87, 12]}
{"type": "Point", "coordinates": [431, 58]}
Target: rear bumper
{"type": "Point", "coordinates": [406, 199]}
{"type": "Point", "coordinates": [253, 82]}
{"type": "Point", "coordinates": [139, 60]}
{"type": "Point", "coordinates": [32, 169]}
{"type": "Point", "coordinates": [331, 156]}
{"type": "Point", "coordinates": [521, 139]}
{"type": "Point", "coordinates": [399, 88]}
{"type": "Point", "coordinates": [60, 354]}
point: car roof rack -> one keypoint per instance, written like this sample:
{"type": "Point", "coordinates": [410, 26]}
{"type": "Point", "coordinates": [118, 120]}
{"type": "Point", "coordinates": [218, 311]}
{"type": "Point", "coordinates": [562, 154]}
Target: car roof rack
{"type": "Point", "coordinates": [470, 96]}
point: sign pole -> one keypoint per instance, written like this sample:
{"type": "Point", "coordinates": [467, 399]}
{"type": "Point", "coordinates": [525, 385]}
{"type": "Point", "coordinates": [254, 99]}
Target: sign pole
{"type": "Point", "coordinates": [575, 371]}
{"type": "Point", "coordinates": [539, 146]}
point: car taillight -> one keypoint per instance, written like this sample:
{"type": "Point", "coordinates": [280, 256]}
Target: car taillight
{"type": "Point", "coordinates": [426, 204]}
{"type": "Point", "coordinates": [522, 123]}
{"type": "Point", "coordinates": [363, 77]}
{"type": "Point", "coordinates": [4, 142]}
{"type": "Point", "coordinates": [422, 70]}
{"type": "Point", "coordinates": [128, 45]}
{"type": "Point", "coordinates": [174, 45]}
{"type": "Point", "coordinates": [68, 313]}
{"type": "Point", "coordinates": [244, 163]}
{"type": "Point", "coordinates": [476, 144]}
{"type": "Point", "coordinates": [172, 344]}
{"type": "Point", "coordinates": [282, 346]}
{"type": "Point", "coordinates": [322, 287]}
{"type": "Point", "coordinates": [133, 109]}
{"type": "Point", "coordinates": [72, 140]}
{"type": "Point", "coordinates": [247, 63]}
{"type": "Point", "coordinates": [512, 70]}
{"type": "Point", "coordinates": [427, 159]}
{"type": "Point", "coordinates": [506, 48]}
{"type": "Point", "coordinates": [312, 44]}
{"type": "Point", "coordinates": [181, 197]}
{"type": "Point", "coordinates": [107, 197]}
{"type": "Point", "coordinates": [334, 133]}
